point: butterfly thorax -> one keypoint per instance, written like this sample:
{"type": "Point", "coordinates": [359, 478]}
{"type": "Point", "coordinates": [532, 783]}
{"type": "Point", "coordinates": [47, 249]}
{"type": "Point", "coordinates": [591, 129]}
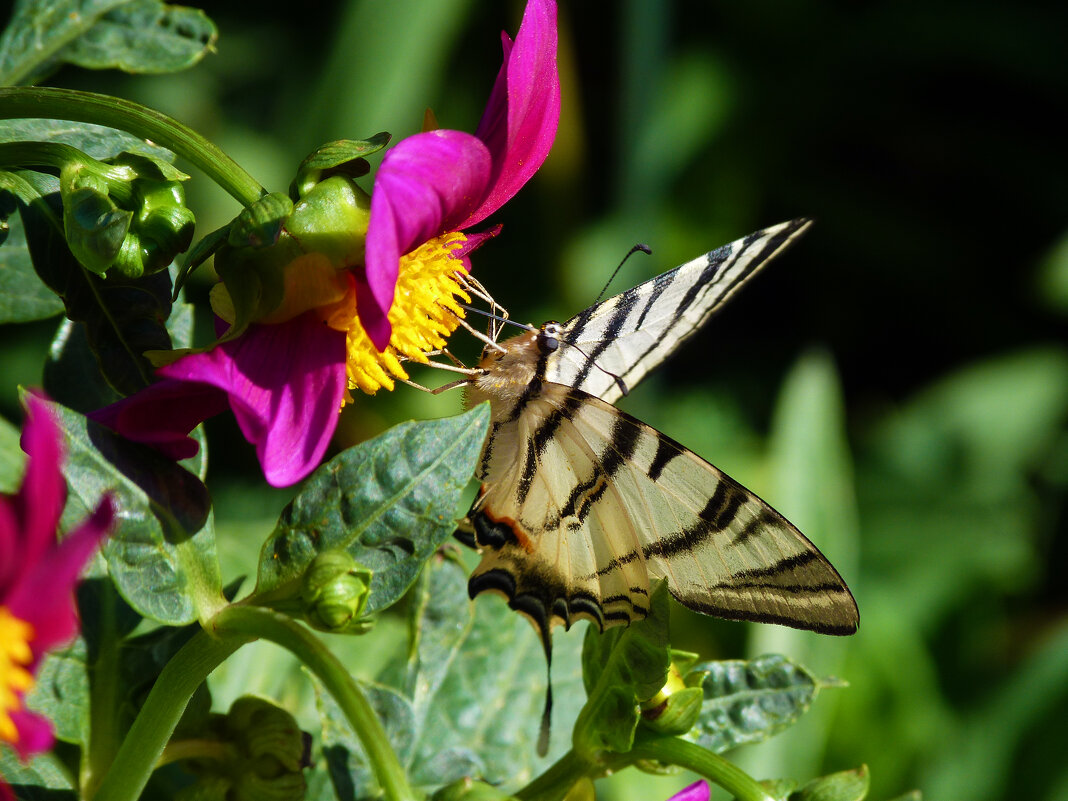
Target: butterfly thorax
{"type": "Point", "coordinates": [507, 374]}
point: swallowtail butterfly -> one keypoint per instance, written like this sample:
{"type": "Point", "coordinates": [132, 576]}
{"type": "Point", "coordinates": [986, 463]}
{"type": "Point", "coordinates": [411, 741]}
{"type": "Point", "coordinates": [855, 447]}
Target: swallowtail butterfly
{"type": "Point", "coordinates": [581, 505]}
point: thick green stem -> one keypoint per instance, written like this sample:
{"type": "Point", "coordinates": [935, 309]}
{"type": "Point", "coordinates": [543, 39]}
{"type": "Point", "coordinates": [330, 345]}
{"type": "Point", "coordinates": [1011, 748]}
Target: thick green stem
{"type": "Point", "coordinates": [278, 628]}
{"type": "Point", "coordinates": [140, 751]}
{"type": "Point", "coordinates": [141, 121]}
{"type": "Point", "coordinates": [685, 754]}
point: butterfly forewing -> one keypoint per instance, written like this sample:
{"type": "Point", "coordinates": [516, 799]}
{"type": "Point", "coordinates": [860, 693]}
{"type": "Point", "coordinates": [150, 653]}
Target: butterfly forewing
{"type": "Point", "coordinates": [613, 503]}
{"type": "Point", "coordinates": [628, 335]}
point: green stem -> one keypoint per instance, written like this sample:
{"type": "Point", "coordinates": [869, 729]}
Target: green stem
{"type": "Point", "coordinates": [69, 104]}
{"type": "Point", "coordinates": [557, 780]}
{"type": "Point", "coordinates": [278, 628]}
{"type": "Point", "coordinates": [683, 753]}
{"type": "Point", "coordinates": [140, 751]}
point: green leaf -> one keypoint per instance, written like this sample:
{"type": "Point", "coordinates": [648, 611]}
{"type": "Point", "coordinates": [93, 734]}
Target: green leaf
{"type": "Point", "coordinates": [620, 668]}
{"type": "Point", "coordinates": [72, 375]}
{"type": "Point", "coordinates": [23, 296]}
{"type": "Point", "coordinates": [389, 502]}
{"type": "Point", "coordinates": [139, 36]}
{"type": "Point", "coordinates": [43, 779]}
{"type": "Point", "coordinates": [161, 552]}
{"type": "Point", "coordinates": [123, 318]}
{"type": "Point", "coordinates": [477, 678]}
{"type": "Point", "coordinates": [61, 692]}
{"type": "Point", "coordinates": [479, 697]}
{"type": "Point", "coordinates": [352, 776]}
{"type": "Point", "coordinates": [848, 785]}
{"type": "Point", "coordinates": [97, 141]}
{"type": "Point", "coordinates": [12, 458]}
{"type": "Point", "coordinates": [748, 702]}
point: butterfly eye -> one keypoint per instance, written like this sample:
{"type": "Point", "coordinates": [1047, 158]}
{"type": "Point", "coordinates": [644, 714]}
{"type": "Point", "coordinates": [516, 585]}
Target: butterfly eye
{"type": "Point", "coordinates": [549, 344]}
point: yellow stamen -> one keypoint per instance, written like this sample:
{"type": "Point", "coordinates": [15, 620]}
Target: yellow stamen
{"type": "Point", "coordinates": [15, 653]}
{"type": "Point", "coordinates": [425, 312]}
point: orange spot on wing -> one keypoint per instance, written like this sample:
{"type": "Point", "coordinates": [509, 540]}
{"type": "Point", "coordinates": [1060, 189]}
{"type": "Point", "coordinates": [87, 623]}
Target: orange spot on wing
{"type": "Point", "coordinates": [520, 535]}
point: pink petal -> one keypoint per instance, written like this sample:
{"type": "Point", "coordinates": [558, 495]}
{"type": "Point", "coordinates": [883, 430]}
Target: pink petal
{"type": "Point", "coordinates": [44, 596]}
{"type": "Point", "coordinates": [35, 733]}
{"type": "Point", "coordinates": [285, 384]}
{"type": "Point", "coordinates": [425, 186]}
{"type": "Point", "coordinates": [521, 117]}
{"type": "Point", "coordinates": [40, 501]}
{"type": "Point", "coordinates": [163, 414]}
{"type": "Point", "coordinates": [698, 791]}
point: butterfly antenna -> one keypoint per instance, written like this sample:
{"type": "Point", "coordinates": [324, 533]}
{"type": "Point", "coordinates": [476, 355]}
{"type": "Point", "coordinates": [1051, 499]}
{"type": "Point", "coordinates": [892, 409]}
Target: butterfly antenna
{"type": "Point", "coordinates": [643, 248]}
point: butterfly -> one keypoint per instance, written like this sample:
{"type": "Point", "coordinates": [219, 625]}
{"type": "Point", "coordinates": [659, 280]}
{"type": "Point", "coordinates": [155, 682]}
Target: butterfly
{"type": "Point", "coordinates": [581, 505]}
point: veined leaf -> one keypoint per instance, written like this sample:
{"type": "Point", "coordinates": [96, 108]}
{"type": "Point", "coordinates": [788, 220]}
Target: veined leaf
{"type": "Point", "coordinates": [139, 36]}
{"type": "Point", "coordinates": [847, 785]}
{"type": "Point", "coordinates": [389, 503]}
{"type": "Point", "coordinates": [747, 702]}
{"type": "Point", "coordinates": [161, 552]}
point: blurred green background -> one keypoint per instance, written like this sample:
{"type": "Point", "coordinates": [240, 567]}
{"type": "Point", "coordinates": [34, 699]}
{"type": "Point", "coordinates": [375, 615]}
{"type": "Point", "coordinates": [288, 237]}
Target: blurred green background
{"type": "Point", "coordinates": [897, 384]}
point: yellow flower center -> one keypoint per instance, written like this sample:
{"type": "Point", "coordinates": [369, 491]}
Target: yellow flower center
{"type": "Point", "coordinates": [425, 312]}
{"type": "Point", "coordinates": [15, 653]}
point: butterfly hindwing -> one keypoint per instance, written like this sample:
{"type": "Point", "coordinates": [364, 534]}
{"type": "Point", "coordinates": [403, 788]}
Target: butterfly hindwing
{"type": "Point", "coordinates": [623, 338]}
{"type": "Point", "coordinates": [575, 525]}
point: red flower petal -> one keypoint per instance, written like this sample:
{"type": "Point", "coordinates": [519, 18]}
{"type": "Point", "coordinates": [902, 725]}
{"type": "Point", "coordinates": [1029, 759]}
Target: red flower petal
{"type": "Point", "coordinates": [35, 733]}
{"type": "Point", "coordinates": [44, 596]}
{"type": "Point", "coordinates": [40, 501]}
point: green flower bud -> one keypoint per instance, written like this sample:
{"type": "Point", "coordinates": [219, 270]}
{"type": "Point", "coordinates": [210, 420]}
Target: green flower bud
{"type": "Point", "coordinates": [128, 213]}
{"type": "Point", "coordinates": [93, 225]}
{"type": "Point", "coordinates": [256, 752]}
{"type": "Point", "coordinates": [335, 591]}
{"type": "Point", "coordinates": [675, 709]}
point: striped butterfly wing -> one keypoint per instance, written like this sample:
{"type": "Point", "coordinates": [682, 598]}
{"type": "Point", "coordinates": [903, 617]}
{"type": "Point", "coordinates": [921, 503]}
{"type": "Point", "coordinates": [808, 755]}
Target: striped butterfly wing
{"type": "Point", "coordinates": [631, 333]}
{"type": "Point", "coordinates": [583, 505]}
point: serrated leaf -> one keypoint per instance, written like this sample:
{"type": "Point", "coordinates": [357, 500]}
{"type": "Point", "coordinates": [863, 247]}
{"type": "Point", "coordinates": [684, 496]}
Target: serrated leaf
{"type": "Point", "coordinates": [389, 503]}
{"type": "Point", "coordinates": [140, 36]}
{"type": "Point", "coordinates": [43, 779]}
{"type": "Point", "coordinates": [620, 668]}
{"type": "Point", "coordinates": [848, 785]}
{"type": "Point", "coordinates": [161, 553]}
{"type": "Point", "coordinates": [123, 318]}
{"type": "Point", "coordinates": [747, 702]}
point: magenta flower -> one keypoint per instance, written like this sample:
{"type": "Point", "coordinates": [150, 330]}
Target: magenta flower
{"type": "Point", "coordinates": [442, 181]}
{"type": "Point", "coordinates": [286, 381]}
{"type": "Point", "coordinates": [698, 791]}
{"type": "Point", "coordinates": [37, 576]}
